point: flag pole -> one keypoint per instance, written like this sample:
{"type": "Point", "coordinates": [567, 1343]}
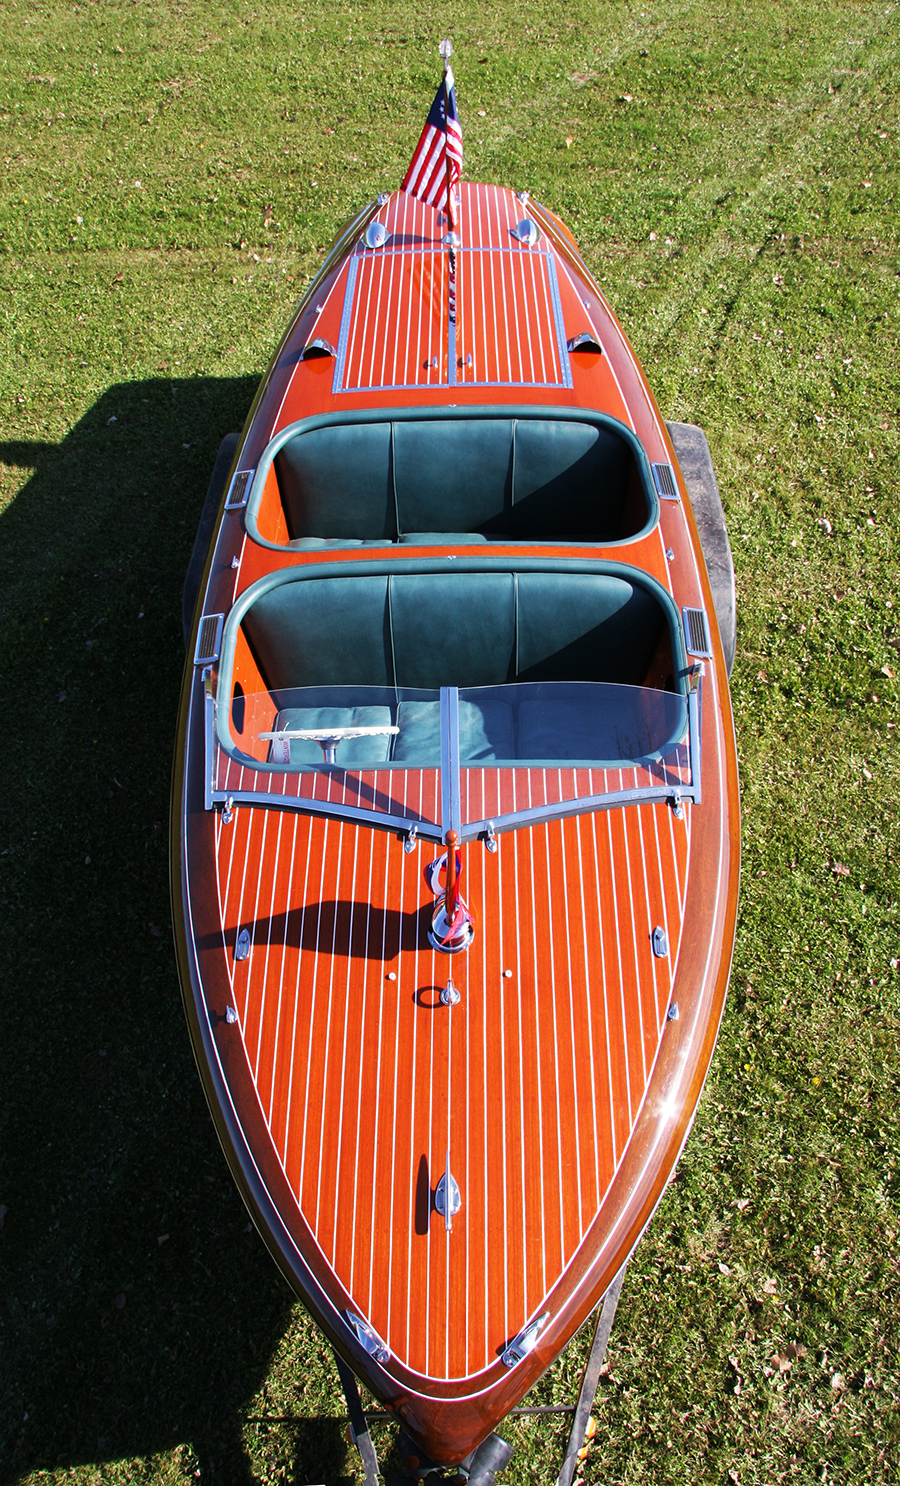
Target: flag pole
{"type": "Point", "coordinates": [451, 237]}
{"type": "Point", "coordinates": [446, 51]}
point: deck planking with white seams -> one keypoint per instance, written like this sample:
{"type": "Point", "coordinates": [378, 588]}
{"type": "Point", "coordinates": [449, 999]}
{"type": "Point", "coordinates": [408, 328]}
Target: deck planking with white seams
{"type": "Point", "coordinates": [338, 1051]}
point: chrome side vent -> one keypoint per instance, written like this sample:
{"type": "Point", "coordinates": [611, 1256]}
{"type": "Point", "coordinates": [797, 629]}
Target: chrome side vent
{"type": "Point", "coordinates": [239, 490]}
{"type": "Point", "coordinates": [696, 633]}
{"type": "Point", "coordinates": [664, 480]}
{"type": "Point", "coordinates": [525, 1342]}
{"type": "Point", "coordinates": [368, 1337]}
{"type": "Point", "coordinates": [586, 341]}
{"type": "Point", "coordinates": [318, 347]}
{"type": "Point", "coordinates": [209, 639]}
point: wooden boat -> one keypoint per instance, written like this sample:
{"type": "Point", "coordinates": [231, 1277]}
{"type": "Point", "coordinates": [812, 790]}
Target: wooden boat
{"type": "Point", "coordinates": [455, 810]}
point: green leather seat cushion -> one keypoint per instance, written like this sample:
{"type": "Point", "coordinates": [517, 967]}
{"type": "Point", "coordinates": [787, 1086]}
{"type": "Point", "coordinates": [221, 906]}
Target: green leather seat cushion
{"type": "Point", "coordinates": [324, 544]}
{"type": "Point", "coordinates": [486, 732]}
{"type": "Point", "coordinates": [443, 538]}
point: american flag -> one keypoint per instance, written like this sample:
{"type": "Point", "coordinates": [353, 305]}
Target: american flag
{"type": "Point", "coordinates": [438, 155]}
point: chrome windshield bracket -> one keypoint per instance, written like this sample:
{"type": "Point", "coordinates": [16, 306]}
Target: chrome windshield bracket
{"type": "Point", "coordinates": [695, 701]}
{"type": "Point", "coordinates": [677, 806]}
{"type": "Point", "coordinates": [490, 837]}
{"type": "Point", "coordinates": [412, 839]}
{"type": "Point", "coordinates": [209, 736]}
{"type": "Point", "coordinates": [450, 801]}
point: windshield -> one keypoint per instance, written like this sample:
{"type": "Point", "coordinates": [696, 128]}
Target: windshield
{"type": "Point", "coordinates": [478, 757]}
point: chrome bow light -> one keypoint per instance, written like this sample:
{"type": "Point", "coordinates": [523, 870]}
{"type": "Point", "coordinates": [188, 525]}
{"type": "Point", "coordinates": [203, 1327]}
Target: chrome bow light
{"type": "Point", "coordinates": [376, 235]}
{"type": "Point", "coordinates": [527, 232]}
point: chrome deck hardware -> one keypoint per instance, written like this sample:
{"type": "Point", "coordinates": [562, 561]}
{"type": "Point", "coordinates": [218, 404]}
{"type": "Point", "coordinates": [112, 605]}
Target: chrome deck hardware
{"type": "Point", "coordinates": [447, 1186]}
{"type": "Point", "coordinates": [525, 1342]}
{"type": "Point", "coordinates": [450, 995]}
{"type": "Point", "coordinates": [376, 235]}
{"type": "Point", "coordinates": [368, 1338]}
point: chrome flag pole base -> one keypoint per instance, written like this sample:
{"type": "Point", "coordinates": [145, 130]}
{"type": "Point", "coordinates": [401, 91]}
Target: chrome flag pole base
{"type": "Point", "coordinates": [440, 936]}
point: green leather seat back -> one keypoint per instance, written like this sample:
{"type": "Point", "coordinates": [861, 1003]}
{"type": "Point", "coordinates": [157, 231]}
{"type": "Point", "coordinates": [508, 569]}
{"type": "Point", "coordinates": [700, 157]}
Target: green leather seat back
{"type": "Point", "coordinates": [453, 629]}
{"type": "Point", "coordinates": [486, 732]}
{"type": "Point", "coordinates": [585, 627]}
{"type": "Point", "coordinates": [523, 479]}
{"type": "Point", "coordinates": [452, 474]}
{"type": "Point", "coordinates": [570, 479]}
{"type": "Point", "coordinates": [323, 632]}
{"type": "Point", "coordinates": [337, 482]}
{"type": "Point", "coordinates": [457, 628]}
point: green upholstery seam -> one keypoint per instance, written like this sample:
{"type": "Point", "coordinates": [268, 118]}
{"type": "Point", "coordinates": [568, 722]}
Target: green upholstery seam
{"type": "Point", "coordinates": [390, 609]}
{"type": "Point", "coordinates": [512, 488]}
{"type": "Point", "coordinates": [516, 623]}
{"type": "Point", "coordinates": [393, 458]}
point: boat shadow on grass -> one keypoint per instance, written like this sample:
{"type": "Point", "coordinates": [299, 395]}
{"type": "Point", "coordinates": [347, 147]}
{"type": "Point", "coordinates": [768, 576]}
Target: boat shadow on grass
{"type": "Point", "coordinates": [370, 932]}
{"type": "Point", "coordinates": [141, 1313]}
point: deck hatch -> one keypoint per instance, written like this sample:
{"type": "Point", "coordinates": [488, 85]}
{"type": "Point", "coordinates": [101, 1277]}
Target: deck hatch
{"type": "Point", "coordinates": [209, 639]}
{"type": "Point", "coordinates": [664, 479]}
{"type": "Point", "coordinates": [239, 490]}
{"type": "Point", "coordinates": [395, 332]}
{"type": "Point", "coordinates": [696, 633]}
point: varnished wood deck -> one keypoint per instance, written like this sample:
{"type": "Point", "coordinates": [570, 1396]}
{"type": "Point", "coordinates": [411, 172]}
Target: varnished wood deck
{"type": "Point", "coordinates": [549, 1064]}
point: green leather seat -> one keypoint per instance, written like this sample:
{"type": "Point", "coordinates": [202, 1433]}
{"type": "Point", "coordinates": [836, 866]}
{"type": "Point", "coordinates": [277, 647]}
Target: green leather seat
{"type": "Point", "coordinates": [460, 479]}
{"type": "Point", "coordinates": [486, 732]}
{"type": "Point", "coordinates": [443, 539]}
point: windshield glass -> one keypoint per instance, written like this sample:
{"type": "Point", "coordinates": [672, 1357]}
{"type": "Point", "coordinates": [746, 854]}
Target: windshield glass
{"type": "Point", "coordinates": [481, 753]}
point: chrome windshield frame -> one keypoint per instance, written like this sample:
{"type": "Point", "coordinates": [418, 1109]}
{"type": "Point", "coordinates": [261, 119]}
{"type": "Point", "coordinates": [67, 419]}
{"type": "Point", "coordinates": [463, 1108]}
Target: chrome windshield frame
{"type": "Point", "coordinates": [450, 793]}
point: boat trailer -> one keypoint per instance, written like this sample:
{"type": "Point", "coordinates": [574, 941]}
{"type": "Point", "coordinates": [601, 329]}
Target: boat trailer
{"type": "Point", "coordinates": [482, 1466]}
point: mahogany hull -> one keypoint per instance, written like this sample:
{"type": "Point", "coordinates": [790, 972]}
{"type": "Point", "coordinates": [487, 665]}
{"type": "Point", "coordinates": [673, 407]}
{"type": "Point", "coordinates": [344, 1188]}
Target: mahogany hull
{"type": "Point", "coordinates": [330, 1065]}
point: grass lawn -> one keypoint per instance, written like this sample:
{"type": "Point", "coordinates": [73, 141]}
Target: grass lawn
{"type": "Point", "coordinates": [171, 176]}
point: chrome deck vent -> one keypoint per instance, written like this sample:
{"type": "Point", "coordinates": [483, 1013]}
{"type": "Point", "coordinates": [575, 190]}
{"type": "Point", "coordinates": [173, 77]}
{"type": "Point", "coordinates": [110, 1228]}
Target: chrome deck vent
{"type": "Point", "coordinates": [586, 341]}
{"type": "Point", "coordinates": [239, 490]}
{"type": "Point", "coordinates": [696, 633]}
{"type": "Point", "coordinates": [209, 639]}
{"type": "Point", "coordinates": [664, 480]}
{"type": "Point", "coordinates": [318, 347]}
{"type": "Point", "coordinates": [527, 232]}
